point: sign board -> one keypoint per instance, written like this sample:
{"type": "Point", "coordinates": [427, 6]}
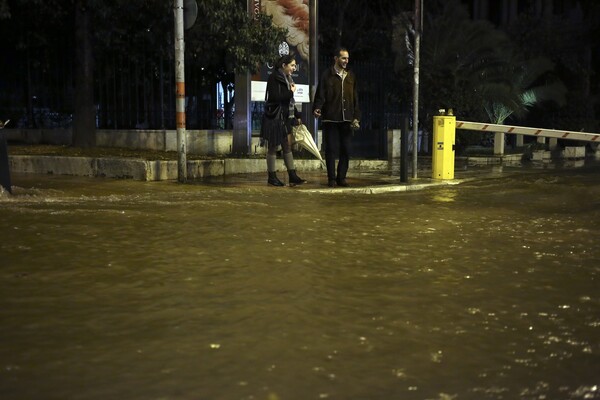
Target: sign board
{"type": "Point", "coordinates": [190, 13]}
{"type": "Point", "coordinates": [295, 17]}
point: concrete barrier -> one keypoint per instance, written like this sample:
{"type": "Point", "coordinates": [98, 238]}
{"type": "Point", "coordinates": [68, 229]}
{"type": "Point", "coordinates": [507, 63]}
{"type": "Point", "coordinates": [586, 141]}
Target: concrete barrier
{"type": "Point", "coordinates": [157, 170]}
{"type": "Point", "coordinates": [393, 143]}
{"type": "Point", "coordinates": [199, 142]}
{"type": "Point", "coordinates": [81, 166]}
{"type": "Point", "coordinates": [541, 155]}
{"type": "Point", "coordinates": [574, 152]}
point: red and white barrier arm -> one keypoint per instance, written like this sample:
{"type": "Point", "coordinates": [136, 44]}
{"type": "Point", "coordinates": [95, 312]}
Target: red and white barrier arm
{"type": "Point", "coordinates": [522, 130]}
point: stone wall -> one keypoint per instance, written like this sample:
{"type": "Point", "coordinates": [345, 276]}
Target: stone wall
{"type": "Point", "coordinates": [199, 142]}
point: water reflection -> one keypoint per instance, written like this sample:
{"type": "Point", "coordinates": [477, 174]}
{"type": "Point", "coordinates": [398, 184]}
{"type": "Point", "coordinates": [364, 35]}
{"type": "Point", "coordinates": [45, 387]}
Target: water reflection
{"type": "Point", "coordinates": [445, 195]}
{"type": "Point", "coordinates": [120, 289]}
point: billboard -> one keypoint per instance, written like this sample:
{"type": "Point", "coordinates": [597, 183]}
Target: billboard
{"type": "Point", "coordinates": [293, 15]}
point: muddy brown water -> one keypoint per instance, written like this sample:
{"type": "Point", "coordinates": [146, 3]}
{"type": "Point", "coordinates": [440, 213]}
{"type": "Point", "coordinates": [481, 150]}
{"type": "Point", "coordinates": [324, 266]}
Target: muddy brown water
{"type": "Point", "coordinates": [128, 290]}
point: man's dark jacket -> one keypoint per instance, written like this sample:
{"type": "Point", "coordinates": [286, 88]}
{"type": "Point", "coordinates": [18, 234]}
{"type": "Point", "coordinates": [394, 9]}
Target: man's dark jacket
{"type": "Point", "coordinates": [337, 102]}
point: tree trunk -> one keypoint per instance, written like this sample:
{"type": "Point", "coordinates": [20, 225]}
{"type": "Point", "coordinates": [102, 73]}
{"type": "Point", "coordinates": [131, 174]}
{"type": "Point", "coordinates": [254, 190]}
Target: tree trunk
{"type": "Point", "coordinates": [84, 120]}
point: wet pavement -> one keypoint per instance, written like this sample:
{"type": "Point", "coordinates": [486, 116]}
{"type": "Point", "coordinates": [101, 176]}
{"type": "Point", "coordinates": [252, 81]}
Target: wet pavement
{"type": "Point", "coordinates": [369, 181]}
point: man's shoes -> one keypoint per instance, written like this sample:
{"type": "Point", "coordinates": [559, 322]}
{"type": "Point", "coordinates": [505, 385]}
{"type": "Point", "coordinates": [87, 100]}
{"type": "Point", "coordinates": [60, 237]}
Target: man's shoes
{"type": "Point", "coordinates": [337, 182]}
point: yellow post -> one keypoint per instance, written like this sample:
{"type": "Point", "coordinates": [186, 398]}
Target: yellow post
{"type": "Point", "coordinates": [444, 131]}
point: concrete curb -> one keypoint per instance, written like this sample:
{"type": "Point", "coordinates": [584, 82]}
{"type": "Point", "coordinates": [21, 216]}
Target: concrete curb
{"type": "Point", "coordinates": [391, 188]}
{"type": "Point", "coordinates": [158, 170]}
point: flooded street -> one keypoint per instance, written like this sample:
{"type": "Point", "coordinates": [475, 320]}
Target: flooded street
{"type": "Point", "coordinates": [118, 289]}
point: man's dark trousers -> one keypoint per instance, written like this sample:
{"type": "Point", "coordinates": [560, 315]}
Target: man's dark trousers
{"type": "Point", "coordinates": [336, 137]}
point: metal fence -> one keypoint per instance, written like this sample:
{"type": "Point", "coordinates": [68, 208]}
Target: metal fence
{"type": "Point", "coordinates": [140, 95]}
{"type": "Point", "coordinates": [36, 91]}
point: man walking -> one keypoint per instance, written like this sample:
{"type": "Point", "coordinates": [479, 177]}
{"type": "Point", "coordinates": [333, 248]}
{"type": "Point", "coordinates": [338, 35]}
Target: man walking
{"type": "Point", "coordinates": [336, 101]}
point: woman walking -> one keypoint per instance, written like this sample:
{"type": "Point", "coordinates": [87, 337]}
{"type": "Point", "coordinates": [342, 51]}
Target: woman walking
{"type": "Point", "coordinates": [280, 114]}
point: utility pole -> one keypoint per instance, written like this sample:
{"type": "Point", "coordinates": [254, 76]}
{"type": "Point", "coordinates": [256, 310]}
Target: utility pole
{"type": "Point", "coordinates": [418, 29]}
{"type": "Point", "coordinates": [180, 92]}
{"type": "Point", "coordinates": [313, 66]}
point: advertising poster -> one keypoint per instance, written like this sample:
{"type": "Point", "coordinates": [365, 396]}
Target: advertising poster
{"type": "Point", "coordinates": [292, 15]}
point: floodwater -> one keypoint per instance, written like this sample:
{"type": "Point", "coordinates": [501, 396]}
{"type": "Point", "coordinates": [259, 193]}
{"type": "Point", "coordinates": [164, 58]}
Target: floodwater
{"type": "Point", "coordinates": [115, 289]}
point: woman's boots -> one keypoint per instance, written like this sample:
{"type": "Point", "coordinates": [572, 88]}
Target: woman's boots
{"type": "Point", "coordinates": [289, 164]}
{"type": "Point", "coordinates": [295, 179]}
{"type": "Point", "coordinates": [273, 180]}
{"type": "Point", "coordinates": [288, 159]}
{"type": "Point", "coordinates": [271, 168]}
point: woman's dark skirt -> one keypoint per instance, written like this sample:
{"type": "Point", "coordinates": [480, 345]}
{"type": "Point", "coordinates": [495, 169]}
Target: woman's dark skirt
{"type": "Point", "coordinates": [274, 129]}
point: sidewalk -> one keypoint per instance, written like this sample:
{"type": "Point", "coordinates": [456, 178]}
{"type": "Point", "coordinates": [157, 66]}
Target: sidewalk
{"type": "Point", "coordinates": [360, 181]}
{"type": "Point", "coordinates": [364, 176]}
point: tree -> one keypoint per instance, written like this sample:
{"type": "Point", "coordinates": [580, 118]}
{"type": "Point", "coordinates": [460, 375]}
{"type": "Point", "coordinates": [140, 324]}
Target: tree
{"type": "Point", "coordinates": [364, 27]}
{"type": "Point", "coordinates": [4, 9]}
{"type": "Point", "coordinates": [537, 83]}
{"type": "Point", "coordinates": [569, 41]}
{"type": "Point", "coordinates": [82, 30]}
{"type": "Point", "coordinates": [225, 35]}
{"type": "Point", "coordinates": [474, 68]}
{"type": "Point", "coordinates": [229, 41]}
{"type": "Point", "coordinates": [28, 36]}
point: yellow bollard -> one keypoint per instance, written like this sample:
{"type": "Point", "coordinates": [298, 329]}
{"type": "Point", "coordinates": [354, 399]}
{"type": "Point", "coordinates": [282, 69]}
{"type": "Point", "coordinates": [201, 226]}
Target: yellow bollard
{"type": "Point", "coordinates": [444, 132]}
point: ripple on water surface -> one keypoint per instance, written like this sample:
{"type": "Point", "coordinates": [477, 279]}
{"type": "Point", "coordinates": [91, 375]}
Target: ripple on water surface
{"type": "Point", "coordinates": [483, 290]}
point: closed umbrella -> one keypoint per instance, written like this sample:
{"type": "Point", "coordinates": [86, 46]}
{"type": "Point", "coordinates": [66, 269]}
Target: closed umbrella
{"type": "Point", "coordinates": [303, 137]}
